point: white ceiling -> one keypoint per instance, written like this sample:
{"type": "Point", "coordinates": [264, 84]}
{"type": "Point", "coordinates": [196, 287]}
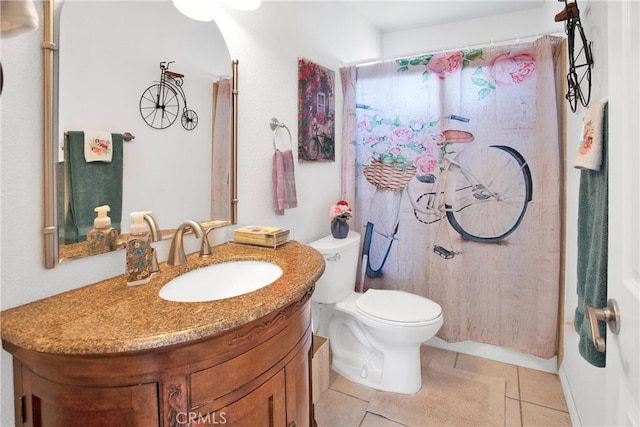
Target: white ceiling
{"type": "Point", "coordinates": [391, 15]}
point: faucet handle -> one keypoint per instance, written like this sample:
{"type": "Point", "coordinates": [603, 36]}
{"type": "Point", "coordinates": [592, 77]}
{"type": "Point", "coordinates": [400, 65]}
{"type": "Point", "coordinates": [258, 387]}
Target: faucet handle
{"type": "Point", "coordinates": [205, 247]}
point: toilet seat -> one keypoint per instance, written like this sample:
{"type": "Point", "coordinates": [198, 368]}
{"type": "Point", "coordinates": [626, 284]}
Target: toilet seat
{"type": "Point", "coordinates": [398, 308]}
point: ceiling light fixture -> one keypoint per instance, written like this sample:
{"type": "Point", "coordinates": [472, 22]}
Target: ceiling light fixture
{"type": "Point", "coordinates": [243, 4]}
{"type": "Point", "coordinates": [202, 10]}
{"type": "Point", "coordinates": [18, 17]}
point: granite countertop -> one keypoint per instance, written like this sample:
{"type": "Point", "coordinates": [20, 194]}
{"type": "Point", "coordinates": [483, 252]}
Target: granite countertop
{"type": "Point", "coordinates": [111, 317]}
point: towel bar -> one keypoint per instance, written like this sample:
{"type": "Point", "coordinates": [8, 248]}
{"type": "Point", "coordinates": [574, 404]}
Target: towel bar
{"type": "Point", "coordinates": [126, 136]}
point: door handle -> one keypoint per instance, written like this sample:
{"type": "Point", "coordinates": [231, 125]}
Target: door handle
{"type": "Point", "coordinates": [610, 315]}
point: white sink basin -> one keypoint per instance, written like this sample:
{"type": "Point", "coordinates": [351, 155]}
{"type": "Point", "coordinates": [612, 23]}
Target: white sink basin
{"type": "Point", "coordinates": [220, 281]}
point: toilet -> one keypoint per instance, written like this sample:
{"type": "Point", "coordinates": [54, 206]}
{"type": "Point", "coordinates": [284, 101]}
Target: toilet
{"type": "Point", "coordinates": [375, 336]}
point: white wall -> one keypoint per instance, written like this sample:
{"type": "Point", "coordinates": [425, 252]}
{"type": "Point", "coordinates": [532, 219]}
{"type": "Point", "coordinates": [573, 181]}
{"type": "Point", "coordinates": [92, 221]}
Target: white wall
{"type": "Point", "coordinates": [482, 31]}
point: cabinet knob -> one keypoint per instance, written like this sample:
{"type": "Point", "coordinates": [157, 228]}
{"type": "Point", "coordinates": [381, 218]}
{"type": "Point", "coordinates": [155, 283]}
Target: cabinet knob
{"type": "Point", "coordinates": [292, 424]}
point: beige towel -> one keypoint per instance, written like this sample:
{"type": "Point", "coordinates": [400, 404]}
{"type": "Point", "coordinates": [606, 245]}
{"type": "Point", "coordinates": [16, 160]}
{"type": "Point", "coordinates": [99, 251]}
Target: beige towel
{"type": "Point", "coordinates": [18, 17]}
{"type": "Point", "coordinates": [97, 146]}
{"type": "Point", "coordinates": [589, 154]}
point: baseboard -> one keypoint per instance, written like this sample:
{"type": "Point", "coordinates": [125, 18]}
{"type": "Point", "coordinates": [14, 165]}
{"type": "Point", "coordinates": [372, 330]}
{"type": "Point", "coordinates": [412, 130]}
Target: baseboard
{"type": "Point", "coordinates": [568, 397]}
{"type": "Point", "coordinates": [497, 353]}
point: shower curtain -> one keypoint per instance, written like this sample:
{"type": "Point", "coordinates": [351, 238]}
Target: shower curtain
{"type": "Point", "coordinates": [454, 173]}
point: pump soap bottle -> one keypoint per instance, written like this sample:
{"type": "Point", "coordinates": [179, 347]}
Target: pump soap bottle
{"type": "Point", "coordinates": [102, 237]}
{"type": "Point", "coordinates": [139, 266]}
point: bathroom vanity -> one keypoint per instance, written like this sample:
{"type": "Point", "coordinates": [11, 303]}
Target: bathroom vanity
{"type": "Point", "coordinates": [111, 355]}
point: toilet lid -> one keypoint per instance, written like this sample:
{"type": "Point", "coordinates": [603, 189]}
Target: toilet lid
{"type": "Point", "coordinates": [397, 306]}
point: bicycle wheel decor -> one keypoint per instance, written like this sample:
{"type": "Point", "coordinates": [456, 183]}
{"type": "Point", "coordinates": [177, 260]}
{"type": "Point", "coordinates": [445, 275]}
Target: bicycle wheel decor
{"type": "Point", "coordinates": [189, 120]}
{"type": "Point", "coordinates": [159, 106]}
{"type": "Point", "coordinates": [386, 176]}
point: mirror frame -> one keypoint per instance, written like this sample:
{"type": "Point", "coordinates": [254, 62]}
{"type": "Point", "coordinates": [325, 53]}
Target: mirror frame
{"type": "Point", "coordinates": [49, 149]}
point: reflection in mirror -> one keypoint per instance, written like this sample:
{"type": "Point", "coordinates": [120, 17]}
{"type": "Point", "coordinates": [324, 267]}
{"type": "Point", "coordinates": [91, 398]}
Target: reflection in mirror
{"type": "Point", "coordinates": [109, 54]}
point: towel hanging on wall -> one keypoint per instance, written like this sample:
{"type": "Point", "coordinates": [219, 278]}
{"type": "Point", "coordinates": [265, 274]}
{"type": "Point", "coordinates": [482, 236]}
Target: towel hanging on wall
{"type": "Point", "coordinates": [284, 181]}
{"type": "Point", "coordinates": [97, 146]}
{"type": "Point", "coordinates": [589, 154]}
{"type": "Point", "coordinates": [91, 184]}
{"type": "Point", "coordinates": [283, 173]}
{"type": "Point", "coordinates": [593, 217]}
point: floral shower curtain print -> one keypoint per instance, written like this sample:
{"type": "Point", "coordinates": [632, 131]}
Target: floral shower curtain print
{"type": "Point", "coordinates": [458, 186]}
{"type": "Point", "coordinates": [316, 112]}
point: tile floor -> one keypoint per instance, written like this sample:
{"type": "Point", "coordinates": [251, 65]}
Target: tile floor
{"type": "Point", "coordinates": [532, 398]}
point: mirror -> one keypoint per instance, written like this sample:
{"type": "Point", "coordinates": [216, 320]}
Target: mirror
{"type": "Point", "coordinates": [109, 53]}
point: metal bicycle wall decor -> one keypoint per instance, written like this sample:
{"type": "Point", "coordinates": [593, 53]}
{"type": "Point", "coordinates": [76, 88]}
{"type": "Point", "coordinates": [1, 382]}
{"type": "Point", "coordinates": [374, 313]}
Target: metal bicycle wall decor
{"type": "Point", "coordinates": [580, 58]}
{"type": "Point", "coordinates": [160, 104]}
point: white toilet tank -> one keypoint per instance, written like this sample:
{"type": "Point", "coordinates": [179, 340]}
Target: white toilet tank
{"type": "Point", "coordinates": [339, 277]}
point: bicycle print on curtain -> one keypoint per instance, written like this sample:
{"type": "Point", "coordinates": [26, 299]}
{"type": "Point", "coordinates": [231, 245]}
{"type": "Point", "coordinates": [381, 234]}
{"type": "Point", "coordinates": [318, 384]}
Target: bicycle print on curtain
{"type": "Point", "coordinates": [316, 112]}
{"type": "Point", "coordinates": [458, 184]}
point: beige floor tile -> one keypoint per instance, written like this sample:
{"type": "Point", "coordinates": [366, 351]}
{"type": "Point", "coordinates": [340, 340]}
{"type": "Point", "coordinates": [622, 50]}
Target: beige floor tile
{"type": "Point", "coordinates": [541, 388]}
{"type": "Point", "coordinates": [539, 416]}
{"type": "Point", "coordinates": [339, 410]}
{"type": "Point", "coordinates": [512, 413]}
{"type": "Point", "coordinates": [373, 420]}
{"type": "Point", "coordinates": [444, 358]}
{"type": "Point", "coordinates": [339, 383]}
{"type": "Point", "coordinates": [492, 368]}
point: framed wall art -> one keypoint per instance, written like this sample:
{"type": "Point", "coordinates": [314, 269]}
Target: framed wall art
{"type": "Point", "coordinates": [316, 113]}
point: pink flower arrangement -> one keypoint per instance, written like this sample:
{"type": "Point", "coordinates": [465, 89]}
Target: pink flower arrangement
{"type": "Point", "coordinates": [340, 211]}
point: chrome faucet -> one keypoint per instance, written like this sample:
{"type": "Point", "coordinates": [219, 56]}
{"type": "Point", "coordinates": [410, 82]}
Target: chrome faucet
{"type": "Point", "coordinates": [176, 252]}
{"type": "Point", "coordinates": [155, 237]}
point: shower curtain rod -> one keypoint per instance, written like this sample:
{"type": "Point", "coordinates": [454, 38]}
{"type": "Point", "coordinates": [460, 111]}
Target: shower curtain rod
{"type": "Point", "coordinates": [491, 43]}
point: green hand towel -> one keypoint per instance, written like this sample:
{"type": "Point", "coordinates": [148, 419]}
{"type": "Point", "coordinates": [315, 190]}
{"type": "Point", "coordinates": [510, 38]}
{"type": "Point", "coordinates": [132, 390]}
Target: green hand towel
{"type": "Point", "coordinates": [593, 216]}
{"type": "Point", "coordinates": [90, 185]}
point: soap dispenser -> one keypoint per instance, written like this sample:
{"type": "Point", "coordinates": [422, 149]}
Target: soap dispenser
{"type": "Point", "coordinates": [139, 264]}
{"type": "Point", "coordinates": [102, 237]}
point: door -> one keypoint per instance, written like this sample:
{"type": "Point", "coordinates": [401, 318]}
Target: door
{"type": "Point", "coordinates": [264, 406]}
{"type": "Point", "coordinates": [622, 392]}
{"type": "Point", "coordinates": [47, 403]}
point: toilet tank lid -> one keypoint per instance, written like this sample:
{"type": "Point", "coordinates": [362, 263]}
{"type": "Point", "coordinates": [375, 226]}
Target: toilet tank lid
{"type": "Point", "coordinates": [398, 306]}
{"type": "Point", "coordinates": [329, 244]}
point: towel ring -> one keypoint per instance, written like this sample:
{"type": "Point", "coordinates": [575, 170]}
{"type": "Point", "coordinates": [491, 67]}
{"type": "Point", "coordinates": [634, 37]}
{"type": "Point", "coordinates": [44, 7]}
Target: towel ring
{"type": "Point", "coordinates": [275, 125]}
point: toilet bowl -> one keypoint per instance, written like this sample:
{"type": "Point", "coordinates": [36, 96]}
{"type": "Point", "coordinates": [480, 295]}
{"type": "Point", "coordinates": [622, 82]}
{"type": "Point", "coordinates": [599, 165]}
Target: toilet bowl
{"type": "Point", "coordinates": [375, 336]}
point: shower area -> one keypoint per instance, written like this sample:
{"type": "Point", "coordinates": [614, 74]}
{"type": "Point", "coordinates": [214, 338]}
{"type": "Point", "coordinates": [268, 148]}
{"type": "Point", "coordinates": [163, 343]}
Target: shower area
{"type": "Point", "coordinates": [454, 168]}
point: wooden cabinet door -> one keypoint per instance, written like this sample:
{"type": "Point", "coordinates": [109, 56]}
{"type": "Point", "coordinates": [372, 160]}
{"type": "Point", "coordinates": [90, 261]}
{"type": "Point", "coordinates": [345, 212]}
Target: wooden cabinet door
{"type": "Point", "coordinates": [46, 403]}
{"type": "Point", "coordinates": [264, 406]}
{"type": "Point", "coordinates": [298, 375]}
